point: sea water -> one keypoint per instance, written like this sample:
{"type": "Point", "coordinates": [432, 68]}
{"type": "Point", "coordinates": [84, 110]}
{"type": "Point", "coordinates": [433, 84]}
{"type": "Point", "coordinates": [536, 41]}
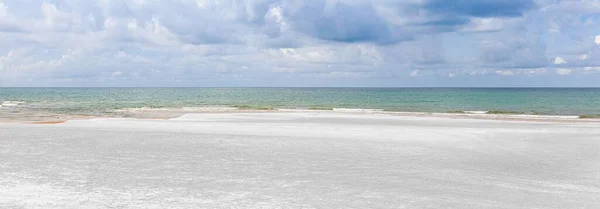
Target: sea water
{"type": "Point", "coordinates": [102, 101]}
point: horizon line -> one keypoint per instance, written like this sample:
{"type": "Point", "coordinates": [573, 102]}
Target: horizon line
{"type": "Point", "coordinates": [370, 87]}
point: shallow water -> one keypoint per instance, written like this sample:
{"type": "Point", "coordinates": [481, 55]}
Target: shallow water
{"type": "Point", "coordinates": [107, 101]}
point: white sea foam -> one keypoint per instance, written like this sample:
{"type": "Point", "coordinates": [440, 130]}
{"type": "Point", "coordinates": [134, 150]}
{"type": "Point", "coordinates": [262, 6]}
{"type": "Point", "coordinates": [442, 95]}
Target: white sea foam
{"type": "Point", "coordinates": [357, 110]}
{"type": "Point", "coordinates": [11, 103]}
{"type": "Point", "coordinates": [508, 116]}
{"type": "Point", "coordinates": [470, 114]}
{"type": "Point", "coordinates": [476, 112]}
{"type": "Point", "coordinates": [210, 108]}
{"type": "Point", "coordinates": [484, 114]}
{"type": "Point", "coordinates": [182, 109]}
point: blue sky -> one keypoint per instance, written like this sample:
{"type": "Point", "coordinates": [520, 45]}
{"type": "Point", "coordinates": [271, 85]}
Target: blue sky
{"type": "Point", "coordinates": [405, 43]}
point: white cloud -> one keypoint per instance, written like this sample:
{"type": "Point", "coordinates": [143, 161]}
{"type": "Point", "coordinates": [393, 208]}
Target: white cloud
{"type": "Point", "coordinates": [535, 71]}
{"type": "Point", "coordinates": [484, 25]}
{"type": "Point", "coordinates": [139, 1]}
{"type": "Point", "coordinates": [201, 3]}
{"type": "Point", "coordinates": [116, 74]}
{"type": "Point", "coordinates": [3, 9]}
{"type": "Point", "coordinates": [563, 71]}
{"type": "Point", "coordinates": [415, 73]}
{"type": "Point", "coordinates": [338, 74]}
{"type": "Point", "coordinates": [583, 57]}
{"type": "Point", "coordinates": [276, 14]}
{"type": "Point", "coordinates": [559, 60]}
{"type": "Point", "coordinates": [597, 39]}
{"type": "Point", "coordinates": [505, 72]}
{"type": "Point", "coordinates": [591, 68]}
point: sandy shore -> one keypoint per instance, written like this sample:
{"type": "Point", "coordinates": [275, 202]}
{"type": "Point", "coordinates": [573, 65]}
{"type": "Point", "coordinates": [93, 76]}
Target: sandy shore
{"type": "Point", "coordinates": [300, 160]}
{"type": "Point", "coordinates": [19, 114]}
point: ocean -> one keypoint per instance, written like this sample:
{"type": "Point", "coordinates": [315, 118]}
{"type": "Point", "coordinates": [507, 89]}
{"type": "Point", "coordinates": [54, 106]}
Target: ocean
{"type": "Point", "coordinates": [27, 102]}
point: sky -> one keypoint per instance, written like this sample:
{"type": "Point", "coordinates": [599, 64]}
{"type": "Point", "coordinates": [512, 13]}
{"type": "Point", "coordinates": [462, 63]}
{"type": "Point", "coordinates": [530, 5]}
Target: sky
{"type": "Point", "coordinates": [328, 43]}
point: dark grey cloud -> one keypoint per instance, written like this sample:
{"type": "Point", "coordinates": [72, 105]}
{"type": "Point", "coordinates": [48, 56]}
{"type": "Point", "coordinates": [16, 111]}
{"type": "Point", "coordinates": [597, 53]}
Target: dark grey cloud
{"type": "Point", "coordinates": [342, 23]}
{"type": "Point", "coordinates": [480, 8]}
{"type": "Point", "coordinates": [363, 22]}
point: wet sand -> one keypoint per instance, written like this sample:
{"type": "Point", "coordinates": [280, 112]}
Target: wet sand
{"type": "Point", "coordinates": [300, 160]}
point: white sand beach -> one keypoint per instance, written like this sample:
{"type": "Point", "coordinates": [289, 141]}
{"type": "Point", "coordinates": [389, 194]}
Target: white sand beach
{"type": "Point", "coordinates": [300, 160]}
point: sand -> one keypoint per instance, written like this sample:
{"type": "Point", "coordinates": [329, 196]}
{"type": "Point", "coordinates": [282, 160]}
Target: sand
{"type": "Point", "coordinates": [300, 160]}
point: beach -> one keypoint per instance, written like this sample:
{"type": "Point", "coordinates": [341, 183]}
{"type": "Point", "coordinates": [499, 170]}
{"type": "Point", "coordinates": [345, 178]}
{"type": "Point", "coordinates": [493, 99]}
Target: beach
{"type": "Point", "coordinates": [304, 159]}
{"type": "Point", "coordinates": [324, 104]}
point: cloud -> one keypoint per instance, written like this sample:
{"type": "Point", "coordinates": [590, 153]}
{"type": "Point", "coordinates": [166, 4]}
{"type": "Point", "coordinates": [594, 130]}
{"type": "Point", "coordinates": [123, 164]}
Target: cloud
{"type": "Point", "coordinates": [563, 71]}
{"type": "Point", "coordinates": [559, 60]}
{"type": "Point", "coordinates": [583, 57]}
{"type": "Point", "coordinates": [524, 51]}
{"type": "Point", "coordinates": [526, 72]}
{"type": "Point", "coordinates": [215, 22]}
{"type": "Point", "coordinates": [283, 42]}
{"type": "Point", "coordinates": [484, 25]}
{"type": "Point", "coordinates": [389, 22]}
{"type": "Point", "coordinates": [3, 10]}
{"type": "Point", "coordinates": [341, 22]}
{"type": "Point", "coordinates": [591, 69]}
{"type": "Point", "coordinates": [481, 8]}
{"type": "Point", "coordinates": [505, 72]}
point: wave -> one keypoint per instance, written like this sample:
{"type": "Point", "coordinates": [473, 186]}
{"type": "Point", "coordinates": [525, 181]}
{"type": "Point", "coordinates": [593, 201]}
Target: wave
{"type": "Point", "coordinates": [178, 109]}
{"type": "Point", "coordinates": [497, 114]}
{"type": "Point", "coordinates": [510, 112]}
{"type": "Point", "coordinates": [242, 108]}
{"type": "Point", "coordinates": [597, 116]}
{"type": "Point", "coordinates": [330, 109]}
{"type": "Point", "coordinates": [10, 103]}
{"type": "Point", "coordinates": [507, 114]}
{"type": "Point", "coordinates": [320, 108]}
{"type": "Point", "coordinates": [475, 112]}
{"type": "Point", "coordinates": [357, 110]}
{"type": "Point", "coordinates": [248, 107]}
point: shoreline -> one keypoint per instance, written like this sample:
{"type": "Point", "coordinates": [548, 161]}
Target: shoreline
{"type": "Point", "coordinates": [173, 113]}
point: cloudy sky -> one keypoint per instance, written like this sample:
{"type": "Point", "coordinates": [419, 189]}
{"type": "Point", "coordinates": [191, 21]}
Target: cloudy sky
{"type": "Point", "coordinates": [300, 43]}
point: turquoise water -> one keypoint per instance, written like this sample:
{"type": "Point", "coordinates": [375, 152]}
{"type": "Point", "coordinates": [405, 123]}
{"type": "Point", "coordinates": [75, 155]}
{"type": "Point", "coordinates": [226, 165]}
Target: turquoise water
{"type": "Point", "coordinates": [545, 101]}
